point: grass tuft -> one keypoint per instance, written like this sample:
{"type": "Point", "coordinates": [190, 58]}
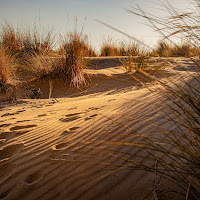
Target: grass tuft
{"type": "Point", "coordinates": [166, 49]}
{"type": "Point", "coordinates": [7, 68]}
{"type": "Point", "coordinates": [121, 48]}
{"type": "Point", "coordinates": [71, 63]}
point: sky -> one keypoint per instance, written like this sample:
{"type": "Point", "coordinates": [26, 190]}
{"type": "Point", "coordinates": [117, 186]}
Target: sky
{"type": "Point", "coordinates": [61, 15]}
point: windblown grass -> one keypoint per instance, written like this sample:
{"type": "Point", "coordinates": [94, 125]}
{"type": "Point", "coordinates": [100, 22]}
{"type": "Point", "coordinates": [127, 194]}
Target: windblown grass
{"type": "Point", "coordinates": [174, 154]}
{"type": "Point", "coordinates": [177, 151]}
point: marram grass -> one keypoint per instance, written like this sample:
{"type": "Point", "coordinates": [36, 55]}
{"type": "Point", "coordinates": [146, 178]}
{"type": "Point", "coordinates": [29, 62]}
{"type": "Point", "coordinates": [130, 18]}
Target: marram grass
{"type": "Point", "coordinates": [174, 153]}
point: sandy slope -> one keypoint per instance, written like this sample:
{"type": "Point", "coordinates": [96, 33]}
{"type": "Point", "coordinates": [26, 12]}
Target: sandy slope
{"type": "Point", "coordinates": [44, 143]}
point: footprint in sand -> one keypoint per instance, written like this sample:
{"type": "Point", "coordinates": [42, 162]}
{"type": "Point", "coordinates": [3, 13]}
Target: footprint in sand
{"type": "Point", "coordinates": [70, 117]}
{"type": "Point", "coordinates": [22, 127]}
{"type": "Point", "coordinates": [46, 105]}
{"type": "Point", "coordinates": [9, 151]}
{"type": "Point", "coordinates": [90, 117]}
{"type": "Point", "coordinates": [70, 130]}
{"type": "Point", "coordinates": [33, 178]}
{"type": "Point", "coordinates": [55, 154]}
{"type": "Point", "coordinates": [59, 146]}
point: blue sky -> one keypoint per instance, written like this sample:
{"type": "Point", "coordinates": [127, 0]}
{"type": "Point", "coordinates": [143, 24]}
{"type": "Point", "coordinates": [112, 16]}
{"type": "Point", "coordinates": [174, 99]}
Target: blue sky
{"type": "Point", "coordinates": [60, 14]}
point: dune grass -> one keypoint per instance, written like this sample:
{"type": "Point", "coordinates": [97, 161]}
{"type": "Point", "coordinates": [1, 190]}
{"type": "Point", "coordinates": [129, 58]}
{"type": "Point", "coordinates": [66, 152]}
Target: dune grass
{"type": "Point", "coordinates": [7, 69]}
{"type": "Point", "coordinates": [21, 41]}
{"type": "Point", "coordinates": [166, 49]}
{"type": "Point", "coordinates": [70, 67]}
{"type": "Point", "coordinates": [25, 45]}
{"type": "Point", "coordinates": [119, 48]}
{"type": "Point", "coordinates": [4, 68]}
{"type": "Point", "coordinates": [174, 154]}
{"type": "Point", "coordinates": [8, 77]}
{"type": "Point", "coordinates": [30, 53]}
{"type": "Point", "coordinates": [109, 48]}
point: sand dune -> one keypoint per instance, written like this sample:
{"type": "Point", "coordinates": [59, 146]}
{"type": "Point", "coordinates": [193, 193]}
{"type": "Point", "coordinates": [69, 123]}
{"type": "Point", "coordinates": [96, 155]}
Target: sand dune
{"type": "Point", "coordinates": [49, 148]}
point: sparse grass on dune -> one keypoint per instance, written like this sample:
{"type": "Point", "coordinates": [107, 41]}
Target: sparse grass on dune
{"type": "Point", "coordinates": [174, 153]}
{"type": "Point", "coordinates": [8, 77]}
{"type": "Point", "coordinates": [38, 66]}
{"type": "Point", "coordinates": [72, 63]}
{"type": "Point", "coordinates": [30, 53]}
{"type": "Point", "coordinates": [25, 41]}
{"type": "Point", "coordinates": [122, 48]}
{"type": "Point", "coordinates": [69, 63]}
{"type": "Point", "coordinates": [109, 48]}
{"type": "Point", "coordinates": [177, 151]}
{"type": "Point", "coordinates": [25, 46]}
{"type": "Point", "coordinates": [165, 49]}
{"type": "Point", "coordinates": [4, 68]}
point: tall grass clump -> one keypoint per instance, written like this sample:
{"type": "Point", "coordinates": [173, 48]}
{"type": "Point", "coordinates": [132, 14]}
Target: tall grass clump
{"type": "Point", "coordinates": [175, 148]}
{"type": "Point", "coordinates": [6, 68]}
{"type": "Point", "coordinates": [70, 67]}
{"type": "Point", "coordinates": [33, 52]}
